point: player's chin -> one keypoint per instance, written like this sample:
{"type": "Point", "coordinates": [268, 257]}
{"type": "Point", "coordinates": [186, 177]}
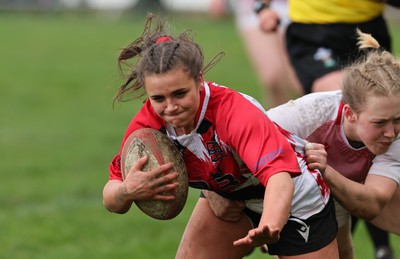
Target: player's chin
{"type": "Point", "coordinates": [380, 149]}
{"type": "Point", "coordinates": [172, 120]}
{"type": "Point", "coordinates": [177, 123]}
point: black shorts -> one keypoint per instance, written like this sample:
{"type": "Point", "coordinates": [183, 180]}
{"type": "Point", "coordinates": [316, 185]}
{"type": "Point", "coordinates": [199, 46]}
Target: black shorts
{"type": "Point", "coordinates": [322, 229]}
{"type": "Point", "coordinates": [318, 49]}
{"type": "Point", "coordinates": [294, 239]}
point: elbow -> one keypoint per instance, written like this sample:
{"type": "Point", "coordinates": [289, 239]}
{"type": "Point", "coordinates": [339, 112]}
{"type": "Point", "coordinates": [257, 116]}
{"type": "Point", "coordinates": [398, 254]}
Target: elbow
{"type": "Point", "coordinates": [370, 204]}
{"type": "Point", "coordinates": [375, 207]}
{"type": "Point", "coordinates": [115, 209]}
{"type": "Point", "coordinates": [118, 211]}
{"type": "Point", "coordinates": [368, 213]}
{"type": "Point", "coordinates": [113, 199]}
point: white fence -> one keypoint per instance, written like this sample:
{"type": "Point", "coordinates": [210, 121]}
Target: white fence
{"type": "Point", "coordinates": [107, 5]}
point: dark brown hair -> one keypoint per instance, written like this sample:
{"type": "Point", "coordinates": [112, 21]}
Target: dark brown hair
{"type": "Point", "coordinates": [154, 57]}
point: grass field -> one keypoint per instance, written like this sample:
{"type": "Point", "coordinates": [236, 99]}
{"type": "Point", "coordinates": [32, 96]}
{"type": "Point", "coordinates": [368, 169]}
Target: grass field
{"type": "Point", "coordinates": [58, 132]}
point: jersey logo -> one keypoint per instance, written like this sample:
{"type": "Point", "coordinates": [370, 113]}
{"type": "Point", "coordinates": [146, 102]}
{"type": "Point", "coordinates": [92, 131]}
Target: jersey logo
{"type": "Point", "coordinates": [325, 56]}
{"type": "Point", "coordinates": [265, 159]}
{"type": "Point", "coordinates": [304, 230]}
{"type": "Point", "coordinates": [215, 151]}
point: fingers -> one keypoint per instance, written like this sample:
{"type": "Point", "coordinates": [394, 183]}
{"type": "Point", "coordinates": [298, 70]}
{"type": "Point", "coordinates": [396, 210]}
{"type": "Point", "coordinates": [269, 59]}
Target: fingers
{"type": "Point", "coordinates": [157, 172]}
{"type": "Point", "coordinates": [259, 236]}
{"type": "Point", "coordinates": [308, 146]}
{"type": "Point", "coordinates": [164, 193]}
{"type": "Point", "coordinates": [162, 176]}
{"type": "Point", "coordinates": [139, 164]}
{"type": "Point", "coordinates": [316, 156]}
{"type": "Point", "coordinates": [313, 146]}
{"type": "Point", "coordinates": [164, 180]}
{"type": "Point", "coordinates": [155, 184]}
{"type": "Point", "coordinates": [243, 241]}
{"type": "Point", "coordinates": [249, 239]}
{"type": "Point", "coordinates": [165, 187]}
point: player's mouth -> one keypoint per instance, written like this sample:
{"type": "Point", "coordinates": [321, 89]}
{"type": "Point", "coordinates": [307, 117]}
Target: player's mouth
{"type": "Point", "coordinates": [386, 143]}
{"type": "Point", "coordinates": [176, 120]}
{"type": "Point", "coordinates": [173, 117]}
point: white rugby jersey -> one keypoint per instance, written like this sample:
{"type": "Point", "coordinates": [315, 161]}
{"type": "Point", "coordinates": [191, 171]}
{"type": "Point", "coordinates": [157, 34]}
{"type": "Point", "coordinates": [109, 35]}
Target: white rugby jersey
{"type": "Point", "coordinates": [388, 164]}
{"type": "Point", "coordinates": [318, 117]}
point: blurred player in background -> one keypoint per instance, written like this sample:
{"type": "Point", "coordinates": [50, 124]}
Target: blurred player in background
{"type": "Point", "coordinates": [266, 51]}
{"type": "Point", "coordinates": [321, 38]}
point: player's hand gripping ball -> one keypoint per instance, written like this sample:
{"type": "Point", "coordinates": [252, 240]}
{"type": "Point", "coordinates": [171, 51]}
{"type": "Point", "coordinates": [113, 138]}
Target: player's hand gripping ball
{"type": "Point", "coordinates": [160, 150]}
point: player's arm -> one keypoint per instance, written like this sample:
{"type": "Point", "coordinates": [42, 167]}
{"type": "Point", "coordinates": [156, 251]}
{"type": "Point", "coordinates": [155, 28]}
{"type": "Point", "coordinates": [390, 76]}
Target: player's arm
{"type": "Point", "coordinates": [277, 203]}
{"type": "Point", "coordinates": [114, 198]}
{"type": "Point", "coordinates": [389, 217]}
{"type": "Point", "coordinates": [362, 200]}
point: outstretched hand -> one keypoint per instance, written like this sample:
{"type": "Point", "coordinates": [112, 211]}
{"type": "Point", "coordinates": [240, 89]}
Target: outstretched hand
{"type": "Point", "coordinates": [259, 236]}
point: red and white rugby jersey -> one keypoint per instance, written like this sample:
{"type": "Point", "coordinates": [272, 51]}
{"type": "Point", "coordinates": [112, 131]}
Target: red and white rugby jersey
{"type": "Point", "coordinates": [235, 148]}
{"type": "Point", "coordinates": [318, 117]}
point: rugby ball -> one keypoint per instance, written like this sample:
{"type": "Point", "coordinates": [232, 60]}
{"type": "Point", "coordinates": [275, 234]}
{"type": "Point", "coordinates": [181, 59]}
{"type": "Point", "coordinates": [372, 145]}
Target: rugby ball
{"type": "Point", "coordinates": [160, 150]}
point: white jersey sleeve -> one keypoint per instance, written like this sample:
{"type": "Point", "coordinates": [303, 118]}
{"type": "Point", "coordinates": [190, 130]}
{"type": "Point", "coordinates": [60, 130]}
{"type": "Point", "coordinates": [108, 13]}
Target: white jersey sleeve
{"type": "Point", "coordinates": [305, 114]}
{"type": "Point", "coordinates": [388, 164]}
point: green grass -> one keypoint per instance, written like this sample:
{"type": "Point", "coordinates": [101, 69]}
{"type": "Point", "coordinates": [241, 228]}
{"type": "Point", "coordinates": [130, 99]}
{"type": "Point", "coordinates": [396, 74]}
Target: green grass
{"type": "Point", "coordinates": [58, 132]}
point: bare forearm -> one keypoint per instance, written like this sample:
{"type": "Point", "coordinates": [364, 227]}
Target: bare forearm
{"type": "Point", "coordinates": [277, 200]}
{"type": "Point", "coordinates": [114, 198]}
{"type": "Point", "coordinates": [362, 200]}
{"type": "Point", "coordinates": [277, 203]}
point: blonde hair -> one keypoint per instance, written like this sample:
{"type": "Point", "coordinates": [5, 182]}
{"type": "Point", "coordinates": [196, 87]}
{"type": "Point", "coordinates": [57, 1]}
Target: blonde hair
{"type": "Point", "coordinates": [376, 73]}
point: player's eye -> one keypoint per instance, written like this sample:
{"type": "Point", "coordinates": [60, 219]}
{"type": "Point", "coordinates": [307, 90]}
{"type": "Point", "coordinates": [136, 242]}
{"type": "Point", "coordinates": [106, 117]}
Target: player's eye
{"type": "Point", "coordinates": [379, 123]}
{"type": "Point", "coordinates": [157, 98]}
{"type": "Point", "coordinates": [180, 94]}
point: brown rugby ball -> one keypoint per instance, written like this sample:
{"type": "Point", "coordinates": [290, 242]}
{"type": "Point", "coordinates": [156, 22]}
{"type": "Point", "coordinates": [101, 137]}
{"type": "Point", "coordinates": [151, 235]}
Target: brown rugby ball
{"type": "Point", "coordinates": [160, 150]}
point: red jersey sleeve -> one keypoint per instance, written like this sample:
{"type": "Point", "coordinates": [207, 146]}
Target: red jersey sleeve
{"type": "Point", "coordinates": [145, 118]}
{"type": "Point", "coordinates": [256, 139]}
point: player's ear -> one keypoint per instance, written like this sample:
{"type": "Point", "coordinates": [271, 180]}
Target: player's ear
{"type": "Point", "coordinates": [201, 81]}
{"type": "Point", "coordinates": [349, 113]}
